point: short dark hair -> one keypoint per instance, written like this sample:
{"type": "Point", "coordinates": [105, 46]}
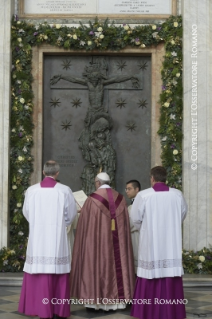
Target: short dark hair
{"type": "Point", "coordinates": [159, 174]}
{"type": "Point", "coordinates": [134, 183]}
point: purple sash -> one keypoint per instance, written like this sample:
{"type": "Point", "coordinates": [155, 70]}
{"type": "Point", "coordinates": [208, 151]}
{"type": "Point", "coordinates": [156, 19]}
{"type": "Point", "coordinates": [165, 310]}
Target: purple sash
{"type": "Point", "coordinates": [160, 187]}
{"type": "Point", "coordinates": [48, 182]}
{"type": "Point", "coordinates": [112, 206]}
{"type": "Point", "coordinates": [100, 199]}
{"type": "Point", "coordinates": [105, 202]}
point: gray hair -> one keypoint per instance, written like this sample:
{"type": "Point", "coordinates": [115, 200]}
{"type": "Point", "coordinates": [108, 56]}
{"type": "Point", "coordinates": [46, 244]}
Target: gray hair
{"type": "Point", "coordinates": [102, 182]}
{"type": "Point", "coordinates": [51, 168]}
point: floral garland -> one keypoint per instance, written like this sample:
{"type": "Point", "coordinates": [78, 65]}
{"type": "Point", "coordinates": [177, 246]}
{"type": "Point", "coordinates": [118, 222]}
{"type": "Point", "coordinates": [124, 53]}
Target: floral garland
{"type": "Point", "coordinates": [199, 262]}
{"type": "Point", "coordinates": [97, 36]}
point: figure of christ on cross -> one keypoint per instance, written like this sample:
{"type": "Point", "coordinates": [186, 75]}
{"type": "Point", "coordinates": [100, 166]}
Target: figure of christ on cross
{"type": "Point", "coordinates": [95, 139]}
{"type": "Point", "coordinates": [95, 81]}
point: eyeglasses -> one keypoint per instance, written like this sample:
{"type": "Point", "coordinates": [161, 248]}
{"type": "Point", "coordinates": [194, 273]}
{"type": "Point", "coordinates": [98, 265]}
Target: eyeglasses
{"type": "Point", "coordinates": [128, 189]}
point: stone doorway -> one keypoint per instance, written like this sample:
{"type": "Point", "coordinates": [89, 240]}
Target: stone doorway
{"type": "Point", "coordinates": [153, 55]}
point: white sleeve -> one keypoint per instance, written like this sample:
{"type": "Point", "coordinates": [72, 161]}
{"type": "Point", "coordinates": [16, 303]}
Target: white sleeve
{"type": "Point", "coordinates": [137, 211]}
{"type": "Point", "coordinates": [132, 227]}
{"type": "Point", "coordinates": [184, 208]}
{"type": "Point", "coordinates": [70, 210]}
{"type": "Point", "coordinates": [26, 206]}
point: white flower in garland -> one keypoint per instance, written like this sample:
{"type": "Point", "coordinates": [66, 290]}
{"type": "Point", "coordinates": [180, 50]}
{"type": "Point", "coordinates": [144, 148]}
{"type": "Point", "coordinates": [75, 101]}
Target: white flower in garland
{"type": "Point", "coordinates": [178, 75]}
{"type": "Point", "coordinates": [172, 116]}
{"type": "Point", "coordinates": [175, 24]}
{"type": "Point", "coordinates": [58, 26]}
{"type": "Point", "coordinates": [166, 104]}
{"type": "Point", "coordinates": [74, 36]}
{"type": "Point", "coordinates": [20, 171]}
{"type": "Point", "coordinates": [22, 100]}
{"type": "Point", "coordinates": [13, 130]}
{"type": "Point", "coordinates": [175, 152]}
{"type": "Point", "coordinates": [14, 187]}
{"type": "Point", "coordinates": [89, 42]}
{"type": "Point", "coordinates": [155, 34]}
{"type": "Point", "coordinates": [202, 258]}
{"type": "Point", "coordinates": [19, 205]}
{"type": "Point", "coordinates": [102, 36]}
{"type": "Point", "coordinates": [164, 138]}
{"type": "Point", "coordinates": [199, 266]}
{"type": "Point", "coordinates": [19, 40]}
{"type": "Point", "coordinates": [20, 233]}
{"type": "Point", "coordinates": [20, 158]}
{"type": "Point", "coordinates": [174, 53]}
{"type": "Point", "coordinates": [26, 107]}
{"type": "Point", "coordinates": [154, 27]}
{"type": "Point", "coordinates": [97, 34]}
{"type": "Point", "coordinates": [82, 43]}
{"type": "Point", "coordinates": [5, 262]}
{"type": "Point", "coordinates": [25, 149]}
{"type": "Point", "coordinates": [143, 45]}
{"type": "Point", "coordinates": [126, 27]}
{"type": "Point", "coordinates": [100, 29]}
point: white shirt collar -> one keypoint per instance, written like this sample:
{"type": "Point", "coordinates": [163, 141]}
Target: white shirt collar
{"type": "Point", "coordinates": [50, 177]}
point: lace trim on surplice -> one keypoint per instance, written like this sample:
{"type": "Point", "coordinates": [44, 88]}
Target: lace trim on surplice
{"type": "Point", "coordinates": [47, 260]}
{"type": "Point", "coordinates": [166, 263]}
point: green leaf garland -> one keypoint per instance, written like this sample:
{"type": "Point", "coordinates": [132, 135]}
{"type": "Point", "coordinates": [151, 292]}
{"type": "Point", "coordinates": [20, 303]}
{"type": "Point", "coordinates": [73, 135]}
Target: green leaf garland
{"type": "Point", "coordinates": [100, 36]}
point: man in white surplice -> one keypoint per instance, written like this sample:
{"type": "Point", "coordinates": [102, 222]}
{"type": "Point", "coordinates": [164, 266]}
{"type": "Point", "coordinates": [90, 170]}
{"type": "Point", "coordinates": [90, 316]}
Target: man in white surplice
{"type": "Point", "coordinates": [159, 212]}
{"type": "Point", "coordinates": [132, 189]}
{"type": "Point", "coordinates": [48, 207]}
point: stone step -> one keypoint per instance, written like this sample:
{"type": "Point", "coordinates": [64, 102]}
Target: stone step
{"type": "Point", "coordinates": [189, 281]}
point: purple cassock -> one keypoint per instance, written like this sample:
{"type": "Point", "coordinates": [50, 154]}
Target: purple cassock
{"type": "Point", "coordinates": [40, 292]}
{"type": "Point", "coordinates": [153, 297]}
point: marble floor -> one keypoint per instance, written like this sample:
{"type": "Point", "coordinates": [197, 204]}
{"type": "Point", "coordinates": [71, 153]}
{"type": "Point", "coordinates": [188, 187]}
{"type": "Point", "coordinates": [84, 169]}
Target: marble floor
{"type": "Point", "coordinates": [199, 305]}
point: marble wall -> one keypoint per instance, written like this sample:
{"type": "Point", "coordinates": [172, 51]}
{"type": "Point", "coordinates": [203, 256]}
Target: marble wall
{"type": "Point", "coordinates": [7, 9]}
{"type": "Point", "coordinates": [197, 149]}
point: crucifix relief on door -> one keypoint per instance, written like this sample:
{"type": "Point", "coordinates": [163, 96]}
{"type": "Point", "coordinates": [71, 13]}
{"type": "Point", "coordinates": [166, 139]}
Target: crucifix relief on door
{"type": "Point", "coordinates": [95, 110]}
